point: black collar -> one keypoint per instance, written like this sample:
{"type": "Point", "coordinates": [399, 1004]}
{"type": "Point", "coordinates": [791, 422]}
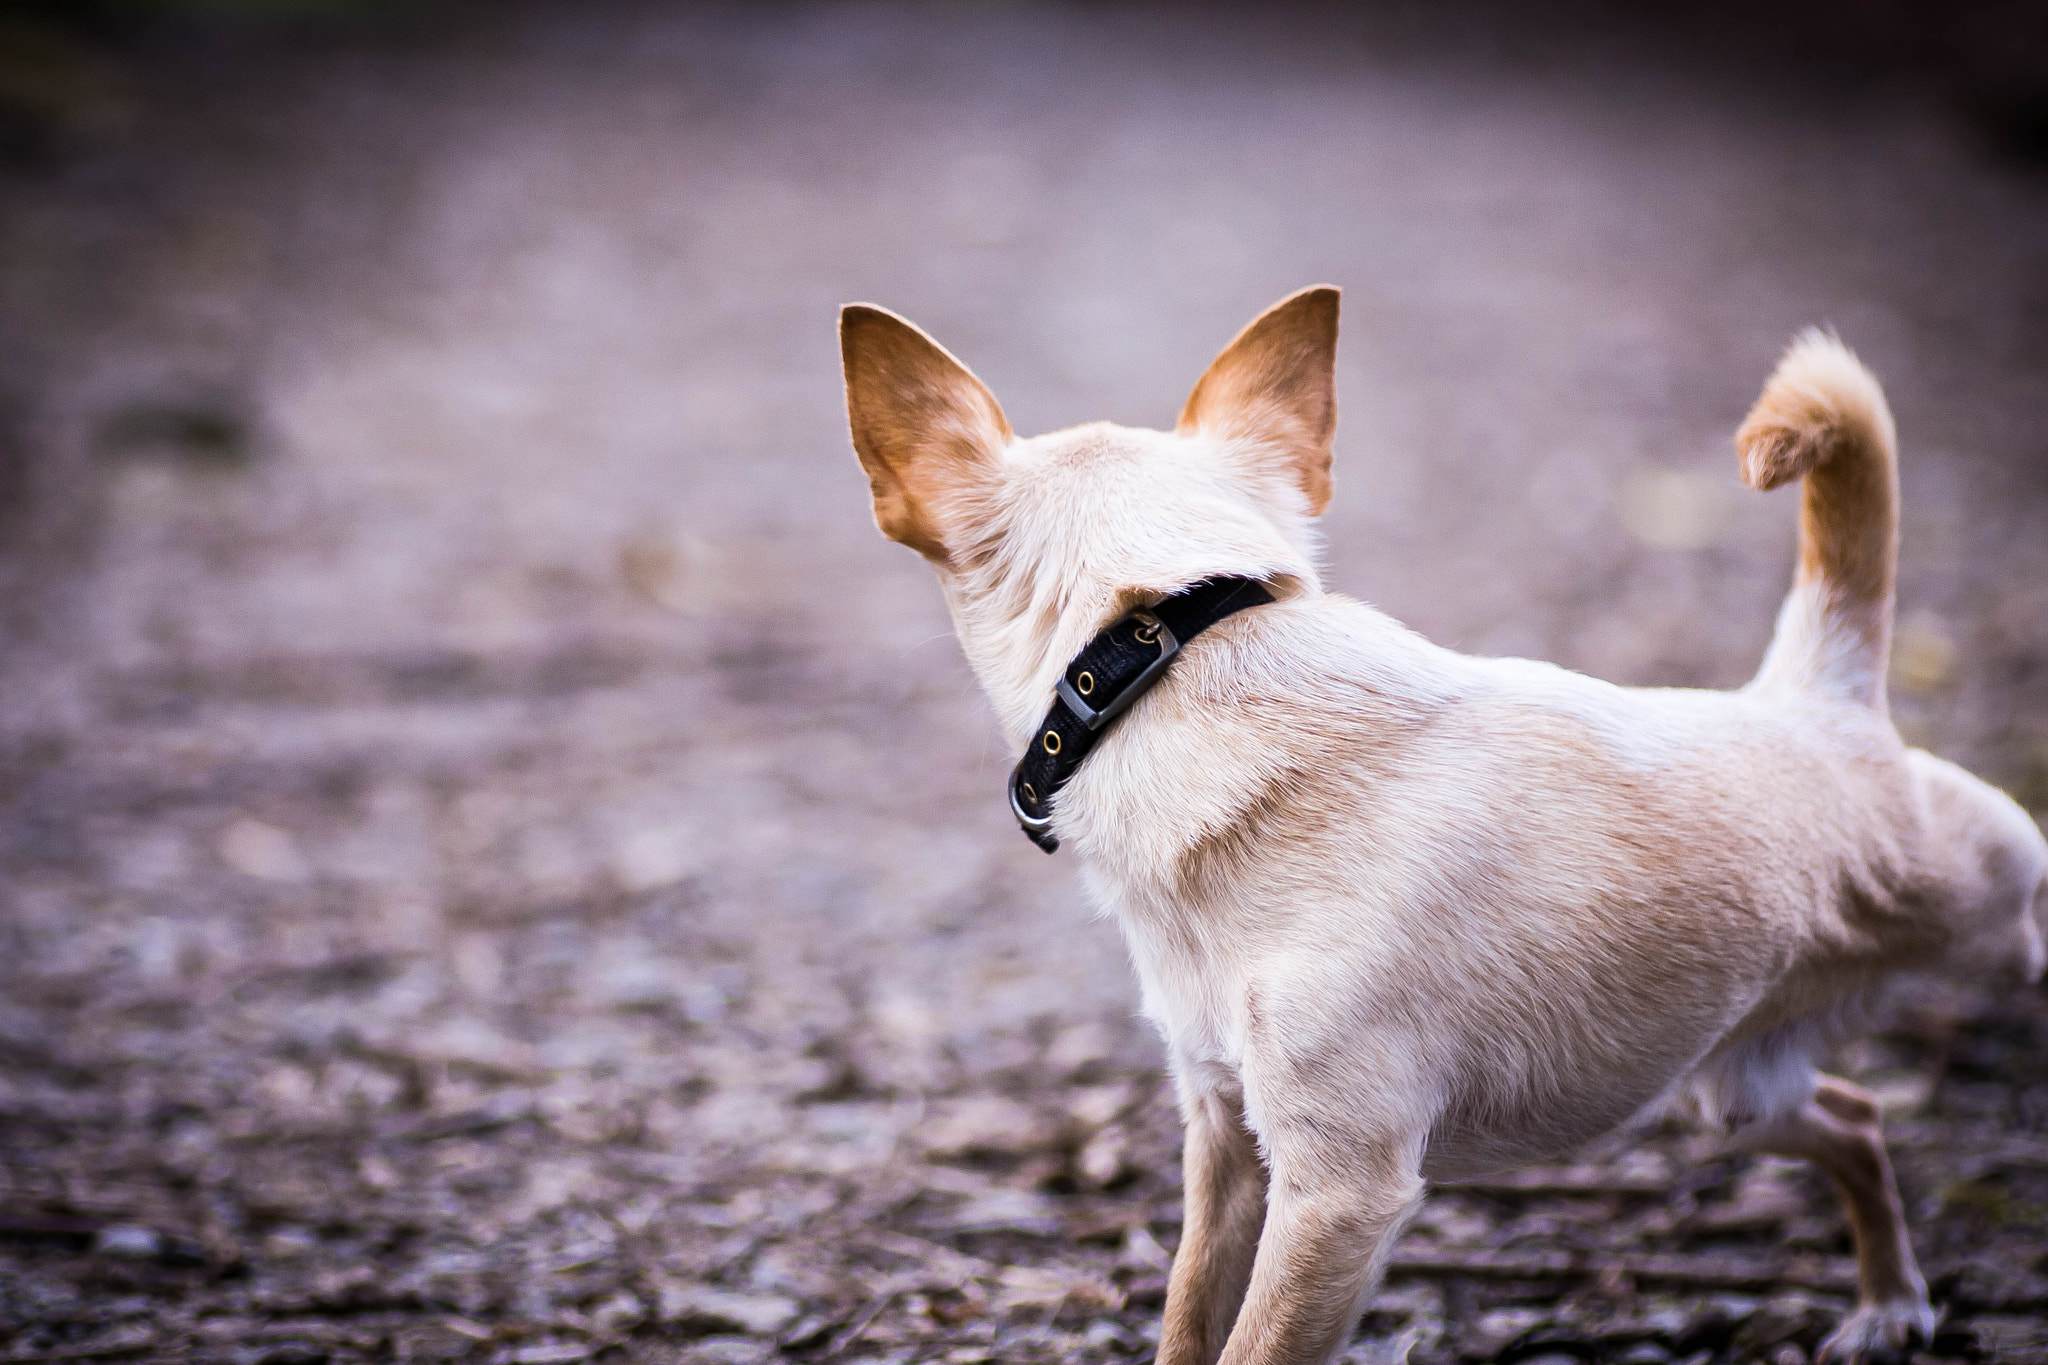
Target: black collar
{"type": "Point", "coordinates": [1111, 673]}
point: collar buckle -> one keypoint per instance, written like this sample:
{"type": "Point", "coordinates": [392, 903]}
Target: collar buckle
{"type": "Point", "coordinates": [1070, 729]}
{"type": "Point", "coordinates": [1149, 629]}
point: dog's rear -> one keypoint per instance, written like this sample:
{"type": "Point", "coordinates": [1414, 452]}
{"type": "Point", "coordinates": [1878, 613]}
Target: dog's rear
{"type": "Point", "coordinates": [1978, 863]}
{"type": "Point", "coordinates": [1822, 417]}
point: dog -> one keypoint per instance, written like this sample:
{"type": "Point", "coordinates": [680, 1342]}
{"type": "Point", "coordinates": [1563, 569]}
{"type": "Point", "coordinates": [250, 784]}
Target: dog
{"type": "Point", "coordinates": [1404, 915]}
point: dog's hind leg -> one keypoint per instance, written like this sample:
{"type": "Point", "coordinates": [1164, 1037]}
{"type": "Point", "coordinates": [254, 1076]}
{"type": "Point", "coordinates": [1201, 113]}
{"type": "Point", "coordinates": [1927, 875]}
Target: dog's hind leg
{"type": "Point", "coordinates": [1331, 1220]}
{"type": "Point", "coordinates": [1837, 1129]}
{"type": "Point", "coordinates": [1225, 1199]}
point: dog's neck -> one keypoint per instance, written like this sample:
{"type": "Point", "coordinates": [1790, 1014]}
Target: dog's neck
{"type": "Point", "coordinates": [1019, 635]}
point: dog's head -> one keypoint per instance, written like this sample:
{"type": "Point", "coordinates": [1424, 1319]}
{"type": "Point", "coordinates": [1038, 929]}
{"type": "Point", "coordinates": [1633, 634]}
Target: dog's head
{"type": "Point", "coordinates": [1040, 542]}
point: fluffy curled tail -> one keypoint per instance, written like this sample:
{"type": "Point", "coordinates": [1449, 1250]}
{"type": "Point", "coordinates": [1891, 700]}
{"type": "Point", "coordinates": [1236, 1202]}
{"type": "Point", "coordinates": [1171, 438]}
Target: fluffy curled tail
{"type": "Point", "coordinates": [1822, 417]}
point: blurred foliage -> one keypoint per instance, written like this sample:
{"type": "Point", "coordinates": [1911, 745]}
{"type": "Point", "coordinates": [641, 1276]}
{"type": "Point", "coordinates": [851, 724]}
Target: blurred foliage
{"type": "Point", "coordinates": [56, 86]}
{"type": "Point", "coordinates": [197, 434]}
{"type": "Point", "coordinates": [65, 77]}
{"type": "Point", "coordinates": [104, 15]}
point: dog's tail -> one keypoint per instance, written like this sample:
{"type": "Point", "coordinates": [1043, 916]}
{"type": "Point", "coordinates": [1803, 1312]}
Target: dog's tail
{"type": "Point", "coordinates": [1823, 417]}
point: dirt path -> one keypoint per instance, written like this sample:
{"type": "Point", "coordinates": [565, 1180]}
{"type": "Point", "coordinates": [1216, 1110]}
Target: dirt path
{"type": "Point", "coordinates": [502, 863]}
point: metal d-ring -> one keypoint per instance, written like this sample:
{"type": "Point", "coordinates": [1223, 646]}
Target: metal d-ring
{"type": "Point", "coordinates": [1033, 824]}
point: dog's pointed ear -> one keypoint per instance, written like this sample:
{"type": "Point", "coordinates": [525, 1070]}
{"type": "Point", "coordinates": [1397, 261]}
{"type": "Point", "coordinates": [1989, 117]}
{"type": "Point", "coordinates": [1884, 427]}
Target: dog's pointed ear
{"type": "Point", "coordinates": [925, 428]}
{"type": "Point", "coordinates": [1276, 387]}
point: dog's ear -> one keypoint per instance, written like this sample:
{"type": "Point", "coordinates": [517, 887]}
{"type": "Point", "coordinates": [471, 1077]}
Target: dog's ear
{"type": "Point", "coordinates": [1275, 387]}
{"type": "Point", "coordinates": [925, 428]}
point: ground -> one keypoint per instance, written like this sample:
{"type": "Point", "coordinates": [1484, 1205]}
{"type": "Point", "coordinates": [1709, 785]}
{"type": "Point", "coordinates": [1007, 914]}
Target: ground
{"type": "Point", "coordinates": [501, 863]}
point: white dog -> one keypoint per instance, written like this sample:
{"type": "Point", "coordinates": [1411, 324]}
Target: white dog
{"type": "Point", "coordinates": [1404, 915]}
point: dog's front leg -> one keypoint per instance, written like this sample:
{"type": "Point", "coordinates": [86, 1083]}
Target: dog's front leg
{"type": "Point", "coordinates": [1331, 1220]}
{"type": "Point", "coordinates": [1224, 1198]}
{"type": "Point", "coordinates": [1837, 1130]}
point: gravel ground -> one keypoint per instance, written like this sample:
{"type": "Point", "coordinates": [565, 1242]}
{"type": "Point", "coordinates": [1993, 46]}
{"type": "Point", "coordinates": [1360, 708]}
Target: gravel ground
{"type": "Point", "coordinates": [502, 864]}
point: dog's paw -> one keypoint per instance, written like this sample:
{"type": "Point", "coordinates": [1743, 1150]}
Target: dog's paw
{"type": "Point", "coordinates": [1880, 1333]}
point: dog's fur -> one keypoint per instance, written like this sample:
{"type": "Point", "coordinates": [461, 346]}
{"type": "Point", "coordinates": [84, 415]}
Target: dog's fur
{"type": "Point", "coordinates": [1402, 914]}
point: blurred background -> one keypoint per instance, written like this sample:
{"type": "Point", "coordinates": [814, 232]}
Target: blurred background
{"type": "Point", "coordinates": [499, 861]}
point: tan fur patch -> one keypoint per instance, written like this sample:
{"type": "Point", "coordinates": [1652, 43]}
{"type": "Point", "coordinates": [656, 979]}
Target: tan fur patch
{"type": "Point", "coordinates": [924, 427]}
{"type": "Point", "coordinates": [1275, 387]}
